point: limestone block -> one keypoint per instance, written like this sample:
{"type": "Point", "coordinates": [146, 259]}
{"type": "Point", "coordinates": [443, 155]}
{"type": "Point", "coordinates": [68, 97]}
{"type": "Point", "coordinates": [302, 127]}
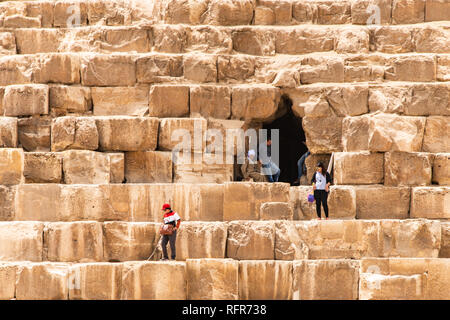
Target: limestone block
{"type": "Point", "coordinates": [323, 135]}
{"type": "Point", "coordinates": [441, 172]}
{"type": "Point", "coordinates": [21, 241]}
{"type": "Point", "coordinates": [382, 202]}
{"type": "Point", "coordinates": [437, 135]}
{"type": "Point", "coordinates": [42, 167]}
{"type": "Point", "coordinates": [123, 133]}
{"type": "Point", "coordinates": [392, 39]}
{"type": "Point", "coordinates": [408, 11]}
{"type": "Point", "coordinates": [61, 68]}
{"type": "Point", "coordinates": [398, 167]}
{"type": "Point", "coordinates": [176, 12]}
{"type": "Point", "coordinates": [42, 10]}
{"type": "Point", "coordinates": [83, 166]}
{"type": "Point", "coordinates": [210, 101]}
{"type": "Point", "coordinates": [303, 40]}
{"type": "Point", "coordinates": [168, 101]}
{"type": "Point", "coordinates": [42, 281]}
{"type": "Point", "coordinates": [11, 166]}
{"type": "Point", "coordinates": [242, 201]}
{"type": "Point", "coordinates": [8, 132]}
{"type": "Point", "coordinates": [148, 166]}
{"type": "Point", "coordinates": [400, 279]}
{"type": "Point", "coordinates": [303, 11]}
{"type": "Point", "coordinates": [212, 236]}
{"type": "Point", "coordinates": [322, 69]}
{"type": "Point", "coordinates": [443, 67]}
{"type": "Point", "coordinates": [8, 279]}
{"type": "Point", "coordinates": [182, 134]}
{"type": "Point", "coordinates": [276, 211]}
{"type": "Point", "coordinates": [361, 68]}
{"type": "Point", "coordinates": [129, 241]}
{"type": "Point", "coordinates": [110, 13]}
{"type": "Point", "coordinates": [429, 99]}
{"type": "Point", "coordinates": [352, 40]}
{"type": "Point", "coordinates": [370, 168]}
{"type": "Point", "coordinates": [233, 68]}
{"type": "Point", "coordinates": [34, 133]}
{"type": "Point", "coordinates": [24, 100]}
{"type": "Point", "coordinates": [200, 68]}
{"type": "Point", "coordinates": [325, 279]}
{"type": "Point", "coordinates": [363, 12]}
{"type": "Point", "coordinates": [251, 240]}
{"type": "Point", "coordinates": [64, 11]}
{"type": "Point", "coordinates": [288, 243]}
{"type": "Point", "coordinates": [260, 42]}
{"type": "Point", "coordinates": [95, 281]}
{"type": "Point", "coordinates": [73, 241]}
{"type": "Point", "coordinates": [153, 281]}
{"type": "Point", "coordinates": [411, 68]}
{"type": "Point", "coordinates": [69, 99]}
{"type": "Point", "coordinates": [125, 39]}
{"type": "Point", "coordinates": [15, 69]}
{"type": "Point", "coordinates": [212, 279]}
{"type": "Point", "coordinates": [169, 38]}
{"type": "Point", "coordinates": [265, 280]}
{"type": "Point", "coordinates": [430, 202]}
{"type": "Point", "coordinates": [7, 43]}
{"type": "Point", "coordinates": [74, 133]}
{"type": "Point", "coordinates": [269, 12]}
{"type": "Point", "coordinates": [117, 167]}
{"type": "Point", "coordinates": [348, 100]}
{"type": "Point", "coordinates": [18, 21]}
{"type": "Point", "coordinates": [229, 12]}
{"type": "Point", "coordinates": [7, 203]}
{"type": "Point", "coordinates": [445, 241]}
{"type": "Point", "coordinates": [108, 70]}
{"type": "Point", "coordinates": [332, 12]}
{"type": "Point", "coordinates": [30, 41]}
{"type": "Point", "coordinates": [207, 39]}
{"type": "Point", "coordinates": [389, 99]}
{"type": "Point", "coordinates": [436, 10]}
{"type": "Point", "coordinates": [111, 101]}
{"type": "Point", "coordinates": [431, 39]}
{"type": "Point", "coordinates": [158, 68]}
{"type": "Point", "coordinates": [254, 103]}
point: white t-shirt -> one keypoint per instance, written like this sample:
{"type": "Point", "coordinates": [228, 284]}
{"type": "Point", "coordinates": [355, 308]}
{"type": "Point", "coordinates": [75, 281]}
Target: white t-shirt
{"type": "Point", "coordinates": [321, 181]}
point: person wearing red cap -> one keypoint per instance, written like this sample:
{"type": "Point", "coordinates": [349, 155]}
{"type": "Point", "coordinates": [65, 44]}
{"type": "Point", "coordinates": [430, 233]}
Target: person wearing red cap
{"type": "Point", "coordinates": [170, 217]}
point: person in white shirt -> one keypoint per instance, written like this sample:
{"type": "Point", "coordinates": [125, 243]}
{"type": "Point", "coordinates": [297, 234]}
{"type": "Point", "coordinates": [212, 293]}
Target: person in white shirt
{"type": "Point", "coordinates": [321, 181]}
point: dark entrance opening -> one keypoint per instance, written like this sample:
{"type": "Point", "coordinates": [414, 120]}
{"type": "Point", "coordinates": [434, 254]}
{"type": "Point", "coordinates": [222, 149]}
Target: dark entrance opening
{"type": "Point", "coordinates": [291, 140]}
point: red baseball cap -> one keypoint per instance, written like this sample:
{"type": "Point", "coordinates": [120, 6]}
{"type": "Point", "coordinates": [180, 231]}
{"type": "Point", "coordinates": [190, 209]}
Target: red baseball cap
{"type": "Point", "coordinates": [165, 206]}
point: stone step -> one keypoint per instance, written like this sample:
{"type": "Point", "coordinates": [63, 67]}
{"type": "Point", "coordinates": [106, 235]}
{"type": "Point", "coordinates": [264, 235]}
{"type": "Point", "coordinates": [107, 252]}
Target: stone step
{"type": "Point", "coordinates": [210, 279]}
{"type": "Point", "coordinates": [111, 241]}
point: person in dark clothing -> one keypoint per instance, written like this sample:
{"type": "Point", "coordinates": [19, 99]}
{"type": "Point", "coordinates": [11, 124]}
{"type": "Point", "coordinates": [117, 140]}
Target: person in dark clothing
{"type": "Point", "coordinates": [170, 217]}
{"type": "Point", "coordinates": [321, 182]}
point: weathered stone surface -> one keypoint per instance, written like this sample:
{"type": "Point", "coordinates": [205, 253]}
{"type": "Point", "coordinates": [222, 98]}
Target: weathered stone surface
{"type": "Point", "coordinates": [168, 101]}
{"type": "Point", "coordinates": [430, 202]}
{"type": "Point", "coordinates": [210, 101]}
{"type": "Point", "coordinates": [108, 70]}
{"type": "Point", "coordinates": [64, 11]}
{"type": "Point", "coordinates": [11, 166]}
{"type": "Point", "coordinates": [322, 69]}
{"type": "Point", "coordinates": [95, 281]}
{"type": "Point", "coordinates": [200, 68]}
{"type": "Point", "coordinates": [212, 279]}
{"type": "Point", "coordinates": [408, 11]}
{"type": "Point", "coordinates": [242, 201]}
{"type": "Point", "coordinates": [411, 68]}
{"type": "Point", "coordinates": [73, 241]}
{"type": "Point", "coordinates": [208, 39]}
{"type": "Point", "coordinates": [15, 69]}
{"type": "Point", "coordinates": [7, 43]}
{"type": "Point", "coordinates": [437, 135]}
{"type": "Point", "coordinates": [229, 12]}
{"type": "Point", "coordinates": [69, 99]}
{"type": "Point", "coordinates": [276, 211]}
{"type": "Point", "coordinates": [391, 39]}
{"type": "Point", "coordinates": [436, 10]}
{"type": "Point", "coordinates": [232, 68]}
{"type": "Point", "coordinates": [17, 21]}
{"type": "Point", "coordinates": [21, 241]}
{"type": "Point", "coordinates": [348, 100]}
{"type": "Point", "coordinates": [74, 133]}
{"type": "Point", "coordinates": [389, 99]}
{"type": "Point", "coordinates": [400, 279]}
{"type": "Point", "coordinates": [380, 202]}
{"type": "Point", "coordinates": [371, 12]}
{"type": "Point", "coordinates": [370, 168]}
{"type": "Point", "coordinates": [141, 133]}
{"type": "Point", "coordinates": [254, 103]}
{"type": "Point", "coordinates": [117, 167]}
{"type": "Point", "coordinates": [265, 280]}
{"type": "Point", "coordinates": [269, 12]}
{"type": "Point", "coordinates": [182, 134]}
{"type": "Point", "coordinates": [429, 99]}
{"type": "Point", "coordinates": [7, 203]}
{"type": "Point", "coordinates": [311, 164]}
{"type": "Point", "coordinates": [125, 39]}
{"type": "Point", "coordinates": [169, 38]}
{"type": "Point", "coordinates": [128, 101]}
{"type": "Point", "coordinates": [42, 281]}
{"type": "Point", "coordinates": [8, 280]}
{"type": "Point", "coordinates": [325, 279]}
{"type": "Point", "coordinates": [42, 167]}
{"type": "Point", "coordinates": [34, 133]}
{"type": "Point", "coordinates": [260, 42]}
{"type": "Point", "coordinates": [24, 100]}
{"type": "Point", "coordinates": [213, 236]}
{"type": "Point", "coordinates": [61, 68]}
{"type": "Point", "coordinates": [83, 166]}
{"type": "Point", "coordinates": [352, 40]}
{"type": "Point", "coordinates": [398, 167]}
{"type": "Point", "coordinates": [323, 135]}
{"type": "Point", "coordinates": [441, 172]}
{"type": "Point", "coordinates": [154, 281]}
{"type": "Point", "coordinates": [30, 41]}
{"type": "Point", "coordinates": [148, 166]}
{"type": "Point", "coordinates": [303, 40]}
{"type": "Point", "coordinates": [431, 39]}
{"type": "Point", "coordinates": [288, 243]}
{"type": "Point", "coordinates": [445, 240]}
{"type": "Point", "coordinates": [158, 68]}
{"type": "Point", "coordinates": [251, 240]}
{"type": "Point", "coordinates": [129, 241]}
{"type": "Point", "coordinates": [8, 132]}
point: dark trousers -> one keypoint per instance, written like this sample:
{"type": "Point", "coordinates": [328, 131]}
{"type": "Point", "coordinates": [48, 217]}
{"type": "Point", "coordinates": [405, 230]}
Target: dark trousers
{"type": "Point", "coordinates": [171, 239]}
{"type": "Point", "coordinates": [321, 197]}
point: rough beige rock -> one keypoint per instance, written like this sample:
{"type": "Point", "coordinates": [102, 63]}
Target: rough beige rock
{"type": "Point", "coordinates": [69, 99]}
{"type": "Point", "coordinates": [325, 280]}
{"type": "Point", "coordinates": [200, 68]}
{"type": "Point", "coordinates": [370, 168]}
{"type": "Point", "coordinates": [82, 166]}
{"type": "Point", "coordinates": [322, 69]}
{"type": "Point", "coordinates": [391, 39]}
{"type": "Point", "coordinates": [7, 202]}
{"type": "Point", "coordinates": [158, 68]}
{"type": "Point", "coordinates": [389, 99]}
{"type": "Point", "coordinates": [42, 167]}
{"type": "Point", "coordinates": [429, 99]}
{"type": "Point", "coordinates": [8, 132]}
{"type": "Point", "coordinates": [366, 12]}
{"type": "Point", "coordinates": [303, 40]}
{"type": "Point", "coordinates": [431, 39]}
{"type": "Point", "coordinates": [251, 240]}
{"type": "Point", "coordinates": [169, 38]}
{"type": "Point", "coordinates": [323, 135]}
{"type": "Point", "coordinates": [445, 241]}
{"type": "Point", "coordinates": [265, 280]}
{"type": "Point", "coordinates": [21, 241]}
{"type": "Point", "coordinates": [210, 101]}
{"type": "Point", "coordinates": [73, 241]}
{"type": "Point", "coordinates": [123, 133]}
{"type": "Point", "coordinates": [254, 103]}
{"type": "Point", "coordinates": [288, 243]}
{"type": "Point", "coordinates": [129, 241]}
{"type": "Point", "coordinates": [95, 281]}
{"type": "Point", "coordinates": [128, 101]}
{"type": "Point", "coordinates": [30, 41]}
{"type": "Point", "coordinates": [441, 172]}
{"type": "Point", "coordinates": [408, 11]}
{"type": "Point", "coordinates": [108, 70]}
{"type": "Point", "coordinates": [275, 211]}
{"type": "Point", "coordinates": [74, 133]}
{"type": "Point", "coordinates": [182, 134]}
{"type": "Point", "coordinates": [348, 100]}
{"type": "Point", "coordinates": [24, 100]}
{"type": "Point", "coordinates": [382, 202]}
{"type": "Point", "coordinates": [15, 69]}
{"type": "Point", "coordinates": [117, 167]}
{"type": "Point", "coordinates": [398, 167]}
{"type": "Point", "coordinates": [8, 280]}
{"type": "Point", "coordinates": [437, 135]}
{"type": "Point", "coordinates": [34, 133]}
{"type": "Point", "coordinates": [148, 167]}
{"type": "Point", "coordinates": [168, 101]}
{"type": "Point", "coordinates": [11, 166]}
{"type": "Point", "coordinates": [154, 281]}
{"type": "Point", "coordinates": [436, 10]}
{"type": "Point", "coordinates": [430, 202]}
{"type": "Point", "coordinates": [311, 164]}
{"type": "Point", "coordinates": [331, 12]}
{"type": "Point", "coordinates": [7, 43]}
{"type": "Point", "coordinates": [61, 68]}
{"type": "Point", "coordinates": [411, 68]}
{"type": "Point", "coordinates": [229, 12]}
{"type": "Point", "coordinates": [260, 41]}
{"type": "Point", "coordinates": [125, 39]}
{"type": "Point", "coordinates": [269, 12]}
{"type": "Point", "coordinates": [352, 40]}
{"type": "Point", "coordinates": [212, 279]}
{"type": "Point", "coordinates": [234, 68]}
{"type": "Point", "coordinates": [208, 39]}
{"type": "Point", "coordinates": [17, 21]}
{"type": "Point", "coordinates": [64, 10]}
